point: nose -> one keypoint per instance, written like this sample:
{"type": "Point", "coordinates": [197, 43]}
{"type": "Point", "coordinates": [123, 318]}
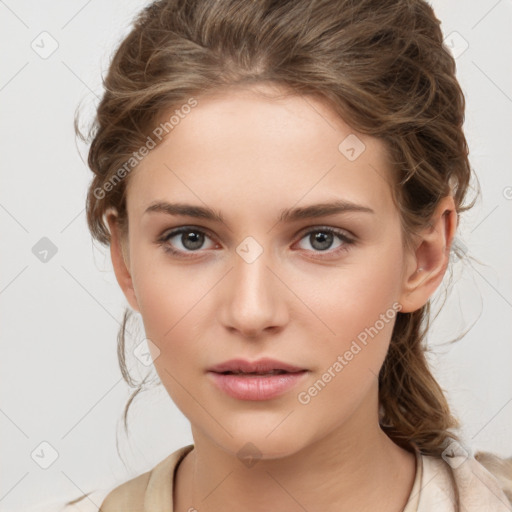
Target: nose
{"type": "Point", "coordinates": [253, 302]}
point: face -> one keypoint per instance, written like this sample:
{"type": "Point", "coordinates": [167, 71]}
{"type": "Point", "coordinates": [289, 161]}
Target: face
{"type": "Point", "coordinates": [317, 292]}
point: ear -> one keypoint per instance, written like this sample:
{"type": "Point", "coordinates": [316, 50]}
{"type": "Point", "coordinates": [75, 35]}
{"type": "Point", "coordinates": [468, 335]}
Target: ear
{"type": "Point", "coordinates": [120, 259]}
{"type": "Point", "coordinates": [426, 265]}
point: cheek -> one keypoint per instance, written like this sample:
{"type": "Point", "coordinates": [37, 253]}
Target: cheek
{"type": "Point", "coordinates": [169, 308]}
{"type": "Point", "coordinates": [356, 309]}
{"type": "Point", "coordinates": [351, 297]}
{"type": "Point", "coordinates": [168, 313]}
{"type": "Point", "coordinates": [165, 291]}
{"type": "Point", "coordinates": [171, 299]}
{"type": "Point", "coordinates": [348, 363]}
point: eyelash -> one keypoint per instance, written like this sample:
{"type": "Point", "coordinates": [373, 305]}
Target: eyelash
{"type": "Point", "coordinates": [347, 241]}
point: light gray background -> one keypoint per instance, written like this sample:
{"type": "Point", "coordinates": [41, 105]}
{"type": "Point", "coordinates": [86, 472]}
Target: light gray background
{"type": "Point", "coordinates": [60, 379]}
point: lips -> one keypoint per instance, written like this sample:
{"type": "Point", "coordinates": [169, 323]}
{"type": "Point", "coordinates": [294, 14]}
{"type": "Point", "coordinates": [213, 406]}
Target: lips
{"type": "Point", "coordinates": [264, 379]}
{"type": "Point", "coordinates": [265, 366]}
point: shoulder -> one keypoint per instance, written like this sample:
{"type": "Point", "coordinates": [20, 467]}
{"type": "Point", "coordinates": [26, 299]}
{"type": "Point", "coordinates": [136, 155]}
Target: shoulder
{"type": "Point", "coordinates": [500, 468]}
{"type": "Point", "coordinates": [128, 497]}
{"type": "Point", "coordinates": [463, 482]}
{"type": "Point", "coordinates": [153, 488]}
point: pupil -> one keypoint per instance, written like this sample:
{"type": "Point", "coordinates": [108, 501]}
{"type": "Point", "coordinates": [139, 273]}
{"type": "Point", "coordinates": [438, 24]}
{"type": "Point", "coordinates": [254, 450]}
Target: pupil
{"type": "Point", "coordinates": [192, 240]}
{"type": "Point", "coordinates": [325, 240]}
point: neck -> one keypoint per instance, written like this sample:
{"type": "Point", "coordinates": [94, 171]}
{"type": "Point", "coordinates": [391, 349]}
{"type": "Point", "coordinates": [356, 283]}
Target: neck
{"type": "Point", "coordinates": [355, 467]}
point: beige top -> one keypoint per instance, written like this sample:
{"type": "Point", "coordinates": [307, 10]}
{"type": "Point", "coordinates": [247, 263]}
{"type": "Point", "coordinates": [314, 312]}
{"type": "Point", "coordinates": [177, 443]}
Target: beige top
{"type": "Point", "coordinates": [437, 487]}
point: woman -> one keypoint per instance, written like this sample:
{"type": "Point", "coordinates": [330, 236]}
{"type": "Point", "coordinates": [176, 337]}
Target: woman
{"type": "Point", "coordinates": [280, 185]}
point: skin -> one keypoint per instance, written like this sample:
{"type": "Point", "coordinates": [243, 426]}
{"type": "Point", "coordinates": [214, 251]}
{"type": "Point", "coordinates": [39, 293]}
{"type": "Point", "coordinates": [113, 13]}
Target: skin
{"type": "Point", "coordinates": [249, 155]}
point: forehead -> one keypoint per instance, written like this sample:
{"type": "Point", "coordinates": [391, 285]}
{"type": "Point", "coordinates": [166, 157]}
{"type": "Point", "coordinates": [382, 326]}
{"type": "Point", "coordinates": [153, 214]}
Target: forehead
{"type": "Point", "coordinates": [258, 149]}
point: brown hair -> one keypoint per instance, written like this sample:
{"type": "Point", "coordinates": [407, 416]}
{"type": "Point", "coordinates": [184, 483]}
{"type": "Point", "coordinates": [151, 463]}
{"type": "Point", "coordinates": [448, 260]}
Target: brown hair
{"type": "Point", "coordinates": [381, 65]}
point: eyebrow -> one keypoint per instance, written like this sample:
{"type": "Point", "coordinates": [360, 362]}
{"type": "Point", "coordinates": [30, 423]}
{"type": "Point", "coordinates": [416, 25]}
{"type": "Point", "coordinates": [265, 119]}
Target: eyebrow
{"type": "Point", "coordinates": [286, 215]}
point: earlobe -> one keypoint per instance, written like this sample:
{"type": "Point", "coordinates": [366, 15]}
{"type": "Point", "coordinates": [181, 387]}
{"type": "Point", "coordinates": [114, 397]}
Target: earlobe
{"type": "Point", "coordinates": [426, 267]}
{"type": "Point", "coordinates": [120, 260]}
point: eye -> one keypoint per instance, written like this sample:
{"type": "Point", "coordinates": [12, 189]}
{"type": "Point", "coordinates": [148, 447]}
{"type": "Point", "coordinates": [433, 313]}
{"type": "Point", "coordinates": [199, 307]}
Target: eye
{"type": "Point", "coordinates": [190, 238]}
{"type": "Point", "coordinates": [321, 239]}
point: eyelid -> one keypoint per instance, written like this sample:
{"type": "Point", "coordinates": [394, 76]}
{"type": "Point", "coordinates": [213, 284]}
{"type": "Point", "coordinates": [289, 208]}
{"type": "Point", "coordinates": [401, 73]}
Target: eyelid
{"type": "Point", "coordinates": [207, 231]}
{"type": "Point", "coordinates": [178, 230]}
{"type": "Point", "coordinates": [344, 235]}
{"type": "Point", "coordinates": [338, 231]}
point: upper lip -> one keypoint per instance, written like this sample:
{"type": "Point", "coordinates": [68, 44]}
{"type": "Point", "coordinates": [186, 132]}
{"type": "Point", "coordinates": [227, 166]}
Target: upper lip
{"type": "Point", "coordinates": [259, 366]}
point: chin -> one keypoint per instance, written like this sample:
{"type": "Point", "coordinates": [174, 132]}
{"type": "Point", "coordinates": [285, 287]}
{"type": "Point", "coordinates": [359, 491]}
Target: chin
{"type": "Point", "coordinates": [256, 444]}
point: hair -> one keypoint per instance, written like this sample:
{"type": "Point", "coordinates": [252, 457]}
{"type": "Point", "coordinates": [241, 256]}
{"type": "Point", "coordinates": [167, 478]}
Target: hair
{"type": "Point", "coordinates": [382, 67]}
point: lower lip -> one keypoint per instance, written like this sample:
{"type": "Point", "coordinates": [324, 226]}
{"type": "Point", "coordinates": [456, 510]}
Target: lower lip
{"type": "Point", "coordinates": [254, 387]}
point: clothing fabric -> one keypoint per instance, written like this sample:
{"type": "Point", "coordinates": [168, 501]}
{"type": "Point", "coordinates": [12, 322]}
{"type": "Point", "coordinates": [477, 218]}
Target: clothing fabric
{"type": "Point", "coordinates": [453, 485]}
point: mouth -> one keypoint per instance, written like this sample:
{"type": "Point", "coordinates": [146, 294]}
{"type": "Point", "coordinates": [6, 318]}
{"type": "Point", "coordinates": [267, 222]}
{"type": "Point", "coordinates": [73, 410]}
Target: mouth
{"type": "Point", "coordinates": [260, 380]}
{"type": "Point", "coordinates": [258, 374]}
{"type": "Point", "coordinates": [265, 366]}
